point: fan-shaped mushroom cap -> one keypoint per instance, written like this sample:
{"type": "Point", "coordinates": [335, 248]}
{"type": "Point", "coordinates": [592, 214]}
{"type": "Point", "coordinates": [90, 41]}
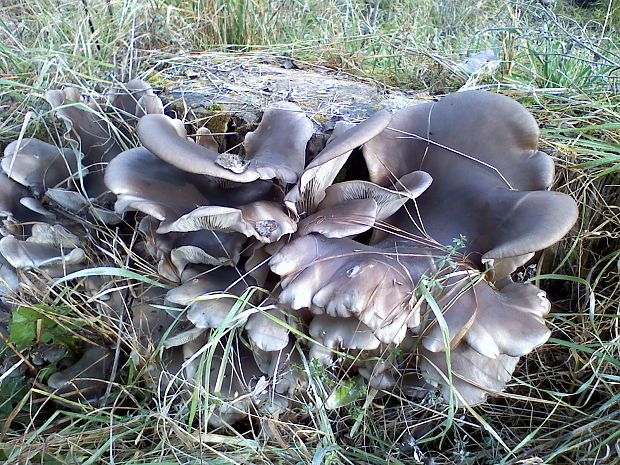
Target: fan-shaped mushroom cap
{"type": "Point", "coordinates": [266, 221]}
{"type": "Point", "coordinates": [477, 146]}
{"type": "Point", "coordinates": [352, 207]}
{"type": "Point", "coordinates": [380, 374]}
{"type": "Point", "coordinates": [343, 278]}
{"type": "Point", "coordinates": [474, 376]}
{"type": "Point", "coordinates": [22, 254]}
{"type": "Point", "coordinates": [87, 379]}
{"type": "Point", "coordinates": [341, 220]}
{"type": "Point", "coordinates": [286, 124]}
{"type": "Point", "coordinates": [144, 182]}
{"type": "Point", "coordinates": [268, 330]}
{"type": "Point", "coordinates": [17, 203]}
{"type": "Point", "coordinates": [321, 172]}
{"type": "Point", "coordinates": [211, 296]}
{"type": "Point", "coordinates": [334, 333]}
{"type": "Point", "coordinates": [38, 165]}
{"type": "Point", "coordinates": [135, 98]}
{"type": "Point", "coordinates": [229, 377]}
{"type": "Point", "coordinates": [87, 131]}
{"type": "Point", "coordinates": [509, 321]}
{"type": "Point", "coordinates": [277, 147]}
{"type": "Point", "coordinates": [54, 235]}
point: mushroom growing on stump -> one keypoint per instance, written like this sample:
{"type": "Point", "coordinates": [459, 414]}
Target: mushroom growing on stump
{"type": "Point", "coordinates": [488, 184]}
{"type": "Point", "coordinates": [265, 259]}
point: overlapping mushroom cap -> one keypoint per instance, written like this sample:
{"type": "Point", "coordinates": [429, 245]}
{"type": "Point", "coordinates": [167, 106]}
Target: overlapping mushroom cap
{"type": "Point", "coordinates": [263, 251]}
{"type": "Point", "coordinates": [489, 185]}
{"type": "Point", "coordinates": [490, 181]}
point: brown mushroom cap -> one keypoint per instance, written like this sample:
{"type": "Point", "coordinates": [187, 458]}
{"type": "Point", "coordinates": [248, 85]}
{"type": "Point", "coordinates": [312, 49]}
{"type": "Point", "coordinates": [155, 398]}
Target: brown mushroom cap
{"type": "Point", "coordinates": [481, 146]}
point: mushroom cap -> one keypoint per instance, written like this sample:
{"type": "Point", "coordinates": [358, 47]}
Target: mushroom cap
{"type": "Point", "coordinates": [135, 98]}
{"type": "Point", "coordinates": [144, 182]}
{"type": "Point", "coordinates": [87, 131]}
{"type": "Point", "coordinates": [87, 379]}
{"type": "Point", "coordinates": [334, 333]}
{"type": "Point", "coordinates": [211, 296]}
{"type": "Point", "coordinates": [509, 321]}
{"type": "Point", "coordinates": [341, 220]}
{"type": "Point", "coordinates": [16, 202]}
{"type": "Point", "coordinates": [205, 138]}
{"type": "Point", "coordinates": [38, 165]}
{"type": "Point", "coordinates": [26, 255]}
{"type": "Point", "coordinates": [266, 221]}
{"type": "Point", "coordinates": [474, 376]}
{"type": "Point", "coordinates": [321, 172]}
{"type": "Point", "coordinates": [340, 277]}
{"type": "Point", "coordinates": [478, 146]}
{"type": "Point", "coordinates": [276, 149]}
{"type": "Point", "coordinates": [268, 330]}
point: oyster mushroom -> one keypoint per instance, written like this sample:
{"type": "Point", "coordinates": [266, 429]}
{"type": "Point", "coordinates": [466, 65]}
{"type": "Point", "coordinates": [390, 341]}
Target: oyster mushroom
{"type": "Point", "coordinates": [275, 150]}
{"type": "Point", "coordinates": [334, 333]}
{"type": "Point", "coordinates": [481, 149]}
{"type": "Point", "coordinates": [87, 379]}
{"type": "Point", "coordinates": [38, 165]}
{"type": "Point", "coordinates": [211, 297]}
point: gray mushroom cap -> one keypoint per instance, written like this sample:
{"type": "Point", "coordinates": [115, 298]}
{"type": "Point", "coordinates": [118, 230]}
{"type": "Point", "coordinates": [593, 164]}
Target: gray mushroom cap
{"type": "Point", "coordinates": [268, 330]}
{"type": "Point", "coordinates": [135, 98]}
{"type": "Point", "coordinates": [266, 221]}
{"type": "Point", "coordinates": [490, 180]}
{"type": "Point", "coordinates": [211, 297]}
{"type": "Point", "coordinates": [38, 165]}
{"type": "Point", "coordinates": [334, 333]}
{"type": "Point", "coordinates": [27, 255]}
{"type": "Point", "coordinates": [321, 172]}
{"type": "Point", "coordinates": [473, 375]}
{"type": "Point", "coordinates": [509, 321]}
{"type": "Point", "coordinates": [143, 182]}
{"type": "Point", "coordinates": [340, 277]}
{"type": "Point", "coordinates": [283, 124]}
{"type": "Point", "coordinates": [277, 148]}
{"type": "Point", "coordinates": [17, 203]}
{"type": "Point", "coordinates": [87, 379]}
{"type": "Point", "coordinates": [88, 131]}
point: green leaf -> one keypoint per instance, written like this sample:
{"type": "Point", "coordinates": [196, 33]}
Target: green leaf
{"type": "Point", "coordinates": [23, 326]}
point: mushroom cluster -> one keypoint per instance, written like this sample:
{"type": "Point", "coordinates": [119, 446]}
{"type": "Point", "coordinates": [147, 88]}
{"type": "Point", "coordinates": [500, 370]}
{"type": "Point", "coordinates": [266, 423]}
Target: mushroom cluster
{"type": "Point", "coordinates": [271, 265]}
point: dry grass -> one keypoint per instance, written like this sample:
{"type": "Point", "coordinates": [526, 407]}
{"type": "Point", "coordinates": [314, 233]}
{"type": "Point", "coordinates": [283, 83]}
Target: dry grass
{"type": "Point", "coordinates": [562, 406]}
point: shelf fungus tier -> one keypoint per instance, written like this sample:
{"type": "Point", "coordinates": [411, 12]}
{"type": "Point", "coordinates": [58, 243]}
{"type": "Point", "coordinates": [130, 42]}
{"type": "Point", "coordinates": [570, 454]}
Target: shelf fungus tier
{"type": "Point", "coordinates": [259, 258]}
